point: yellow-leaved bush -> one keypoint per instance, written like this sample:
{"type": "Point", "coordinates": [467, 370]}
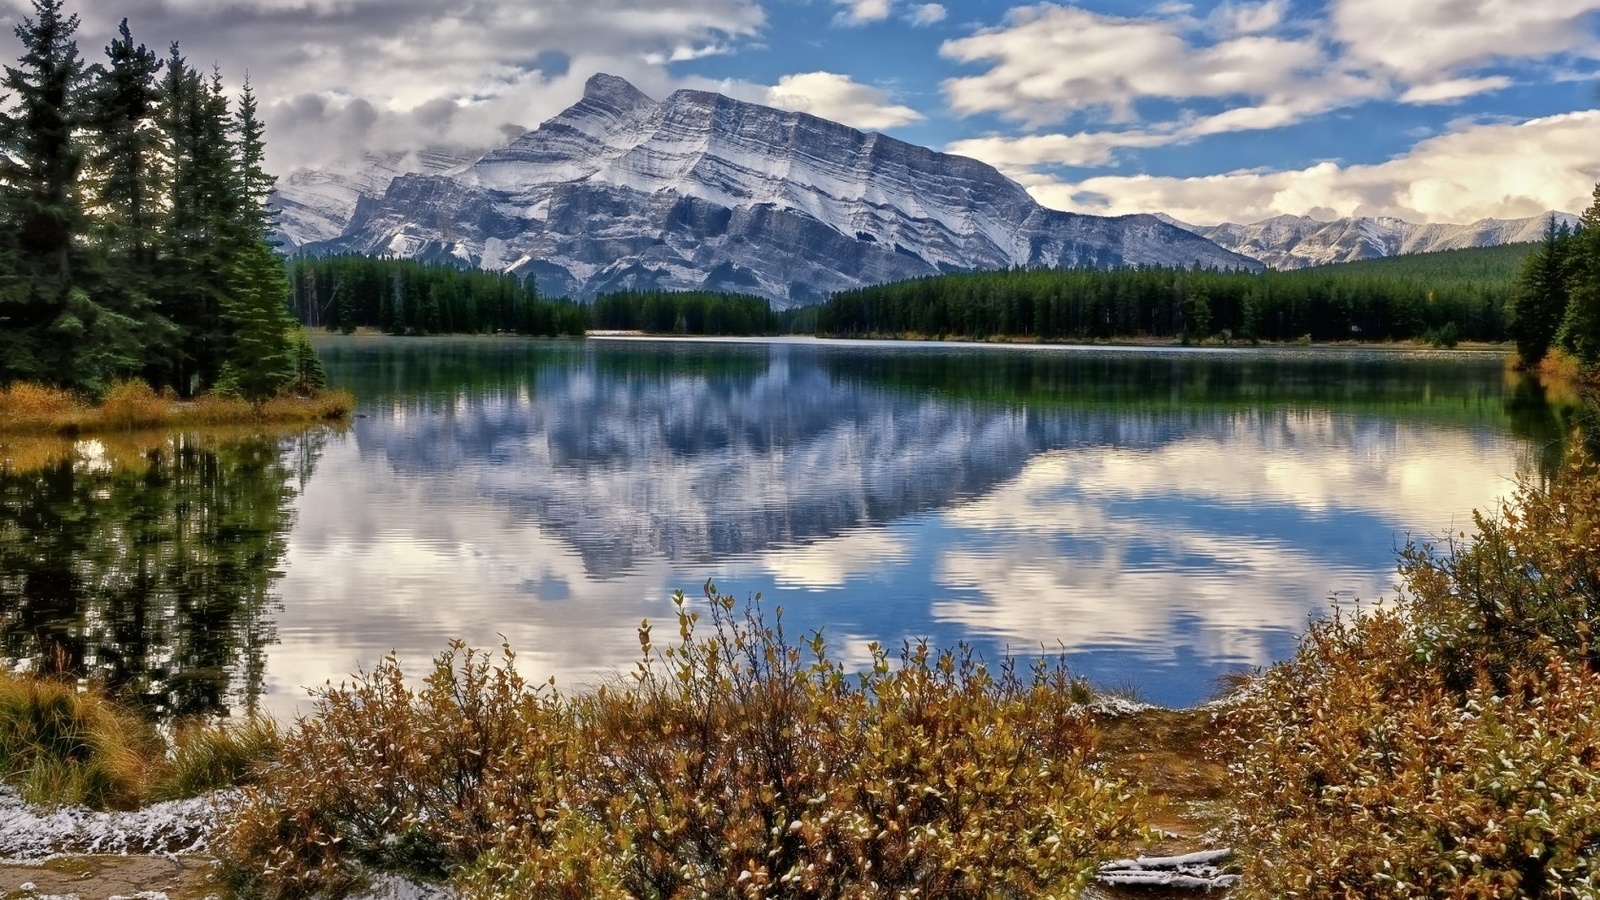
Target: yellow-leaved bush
{"type": "Point", "coordinates": [1446, 745]}
{"type": "Point", "coordinates": [734, 763]}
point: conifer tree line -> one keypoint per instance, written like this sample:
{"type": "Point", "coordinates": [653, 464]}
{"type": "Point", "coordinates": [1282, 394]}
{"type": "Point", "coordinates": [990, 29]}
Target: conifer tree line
{"type": "Point", "coordinates": [1557, 303]}
{"type": "Point", "coordinates": [1190, 304]}
{"type": "Point", "coordinates": [398, 296]}
{"type": "Point", "coordinates": [133, 221]}
{"type": "Point", "coordinates": [684, 312]}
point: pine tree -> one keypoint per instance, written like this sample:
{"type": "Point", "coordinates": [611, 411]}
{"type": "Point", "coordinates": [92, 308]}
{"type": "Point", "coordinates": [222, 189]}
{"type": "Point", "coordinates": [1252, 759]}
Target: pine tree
{"type": "Point", "coordinates": [256, 306]}
{"type": "Point", "coordinates": [1540, 301]}
{"type": "Point", "coordinates": [41, 153]}
{"type": "Point", "coordinates": [40, 211]}
{"type": "Point", "coordinates": [125, 160]}
{"type": "Point", "coordinates": [261, 358]}
{"type": "Point", "coordinates": [1580, 327]}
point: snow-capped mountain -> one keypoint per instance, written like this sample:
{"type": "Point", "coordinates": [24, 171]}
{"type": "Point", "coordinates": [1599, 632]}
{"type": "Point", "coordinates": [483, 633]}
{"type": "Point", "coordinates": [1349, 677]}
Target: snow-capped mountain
{"type": "Point", "coordinates": [1295, 242]}
{"type": "Point", "coordinates": [700, 190]}
{"type": "Point", "coordinates": [316, 204]}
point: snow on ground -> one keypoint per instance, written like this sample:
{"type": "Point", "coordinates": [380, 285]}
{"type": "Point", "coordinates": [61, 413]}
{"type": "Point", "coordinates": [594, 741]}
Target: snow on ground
{"type": "Point", "coordinates": [174, 827]}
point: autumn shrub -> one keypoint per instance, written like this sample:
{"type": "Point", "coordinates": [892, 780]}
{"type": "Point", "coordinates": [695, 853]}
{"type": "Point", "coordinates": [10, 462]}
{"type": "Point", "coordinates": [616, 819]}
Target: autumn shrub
{"type": "Point", "coordinates": [1447, 744]}
{"type": "Point", "coordinates": [27, 406]}
{"type": "Point", "coordinates": [65, 745]}
{"type": "Point", "coordinates": [132, 404]}
{"type": "Point", "coordinates": [391, 777]}
{"type": "Point", "coordinates": [322, 405]}
{"type": "Point", "coordinates": [1526, 584]}
{"type": "Point", "coordinates": [734, 762]}
{"type": "Point", "coordinates": [215, 409]}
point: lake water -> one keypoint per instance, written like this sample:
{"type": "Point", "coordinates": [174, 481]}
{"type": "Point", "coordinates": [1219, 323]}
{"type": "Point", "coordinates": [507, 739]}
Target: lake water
{"type": "Point", "coordinates": [1162, 517]}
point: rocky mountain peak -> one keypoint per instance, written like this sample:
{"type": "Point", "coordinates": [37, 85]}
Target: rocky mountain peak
{"type": "Point", "coordinates": [704, 191]}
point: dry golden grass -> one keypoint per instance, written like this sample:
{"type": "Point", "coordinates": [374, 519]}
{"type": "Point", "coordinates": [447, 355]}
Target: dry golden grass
{"type": "Point", "coordinates": [60, 744]}
{"type": "Point", "coordinates": [36, 407]}
{"type": "Point", "coordinates": [132, 405]}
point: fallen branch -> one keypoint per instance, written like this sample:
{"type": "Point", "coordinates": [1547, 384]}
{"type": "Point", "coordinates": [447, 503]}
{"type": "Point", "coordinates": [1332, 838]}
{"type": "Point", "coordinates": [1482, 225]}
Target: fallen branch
{"type": "Point", "coordinates": [1195, 871]}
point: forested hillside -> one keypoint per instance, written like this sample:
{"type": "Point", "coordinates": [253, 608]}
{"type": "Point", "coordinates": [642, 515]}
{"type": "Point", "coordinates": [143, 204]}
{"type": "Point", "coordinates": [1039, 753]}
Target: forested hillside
{"type": "Point", "coordinates": [1444, 297]}
{"type": "Point", "coordinates": [133, 221]}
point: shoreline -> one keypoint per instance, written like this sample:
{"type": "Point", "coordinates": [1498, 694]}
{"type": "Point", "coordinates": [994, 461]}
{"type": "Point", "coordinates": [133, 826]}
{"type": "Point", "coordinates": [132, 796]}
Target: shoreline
{"type": "Point", "coordinates": [32, 410]}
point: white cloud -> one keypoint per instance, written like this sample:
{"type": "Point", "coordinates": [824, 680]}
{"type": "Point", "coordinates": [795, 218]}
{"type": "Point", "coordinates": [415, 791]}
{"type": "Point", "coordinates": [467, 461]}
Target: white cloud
{"type": "Point", "coordinates": [927, 14]}
{"type": "Point", "coordinates": [369, 64]}
{"type": "Point", "coordinates": [1251, 18]}
{"type": "Point", "coordinates": [837, 97]}
{"type": "Point", "coordinates": [1476, 171]}
{"type": "Point", "coordinates": [860, 12]}
{"type": "Point", "coordinates": [1424, 41]}
{"type": "Point", "coordinates": [1016, 156]}
{"type": "Point", "coordinates": [1453, 90]}
{"type": "Point", "coordinates": [1050, 61]}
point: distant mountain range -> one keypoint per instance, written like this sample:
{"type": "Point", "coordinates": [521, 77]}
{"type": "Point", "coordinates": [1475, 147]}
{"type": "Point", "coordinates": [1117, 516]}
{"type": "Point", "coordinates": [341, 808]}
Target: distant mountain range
{"type": "Point", "coordinates": [1296, 242]}
{"type": "Point", "coordinates": [701, 191]}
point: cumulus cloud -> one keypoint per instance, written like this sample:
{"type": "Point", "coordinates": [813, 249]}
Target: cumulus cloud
{"type": "Point", "coordinates": [1047, 62]}
{"type": "Point", "coordinates": [1427, 40]}
{"type": "Point", "coordinates": [1475, 171]}
{"type": "Point", "coordinates": [861, 12]}
{"type": "Point", "coordinates": [837, 97]}
{"type": "Point", "coordinates": [375, 63]}
{"type": "Point", "coordinates": [927, 14]}
{"type": "Point", "coordinates": [1251, 18]}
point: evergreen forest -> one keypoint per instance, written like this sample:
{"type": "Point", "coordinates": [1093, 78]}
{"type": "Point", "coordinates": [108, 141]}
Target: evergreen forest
{"type": "Point", "coordinates": [683, 312]}
{"type": "Point", "coordinates": [133, 222]}
{"type": "Point", "coordinates": [1442, 303]}
{"type": "Point", "coordinates": [1543, 296]}
{"type": "Point", "coordinates": [1556, 306]}
{"type": "Point", "coordinates": [397, 296]}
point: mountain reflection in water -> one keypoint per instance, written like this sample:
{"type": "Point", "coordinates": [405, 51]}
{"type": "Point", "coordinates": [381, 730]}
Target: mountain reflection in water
{"type": "Point", "coordinates": [1162, 517]}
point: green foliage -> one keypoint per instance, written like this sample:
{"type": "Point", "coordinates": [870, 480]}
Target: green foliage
{"type": "Point", "coordinates": [684, 312]}
{"type": "Point", "coordinates": [1417, 298]}
{"type": "Point", "coordinates": [732, 763]}
{"type": "Point", "coordinates": [135, 221]}
{"type": "Point", "coordinates": [344, 293]}
{"type": "Point", "coordinates": [1580, 324]}
{"type": "Point", "coordinates": [1449, 746]}
{"type": "Point", "coordinates": [1540, 301]}
{"type": "Point", "coordinates": [309, 375]}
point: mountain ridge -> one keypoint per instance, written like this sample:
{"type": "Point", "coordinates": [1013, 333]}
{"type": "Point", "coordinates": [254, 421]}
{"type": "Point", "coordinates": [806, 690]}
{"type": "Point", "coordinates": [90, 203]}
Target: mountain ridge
{"type": "Point", "coordinates": [702, 191]}
{"type": "Point", "coordinates": [1297, 242]}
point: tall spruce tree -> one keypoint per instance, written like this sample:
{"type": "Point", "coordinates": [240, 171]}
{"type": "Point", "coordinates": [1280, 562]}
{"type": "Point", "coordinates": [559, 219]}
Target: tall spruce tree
{"type": "Point", "coordinates": [255, 308]}
{"type": "Point", "coordinates": [134, 221]}
{"type": "Point", "coordinates": [125, 160]}
{"type": "Point", "coordinates": [40, 212]}
{"type": "Point", "coordinates": [1540, 302]}
{"type": "Point", "coordinates": [1580, 327]}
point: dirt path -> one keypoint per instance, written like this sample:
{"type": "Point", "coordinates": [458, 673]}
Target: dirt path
{"type": "Point", "coordinates": [105, 877]}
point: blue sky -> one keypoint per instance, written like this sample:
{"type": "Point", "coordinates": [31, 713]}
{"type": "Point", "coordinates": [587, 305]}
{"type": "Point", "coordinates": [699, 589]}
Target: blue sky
{"type": "Point", "coordinates": [1431, 110]}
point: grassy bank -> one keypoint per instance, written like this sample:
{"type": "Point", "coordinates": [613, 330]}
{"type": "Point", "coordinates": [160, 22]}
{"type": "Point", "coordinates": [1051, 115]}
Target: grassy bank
{"type": "Point", "coordinates": [62, 743]}
{"type": "Point", "coordinates": [130, 405]}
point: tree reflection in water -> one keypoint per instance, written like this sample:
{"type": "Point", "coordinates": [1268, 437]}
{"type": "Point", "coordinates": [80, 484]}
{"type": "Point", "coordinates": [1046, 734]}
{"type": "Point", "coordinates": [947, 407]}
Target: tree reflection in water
{"type": "Point", "coordinates": [149, 564]}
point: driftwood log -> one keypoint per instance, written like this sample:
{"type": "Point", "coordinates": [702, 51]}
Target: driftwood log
{"type": "Point", "coordinates": [1195, 871]}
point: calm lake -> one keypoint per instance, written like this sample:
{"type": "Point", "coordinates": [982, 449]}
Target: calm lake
{"type": "Point", "coordinates": [1162, 517]}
